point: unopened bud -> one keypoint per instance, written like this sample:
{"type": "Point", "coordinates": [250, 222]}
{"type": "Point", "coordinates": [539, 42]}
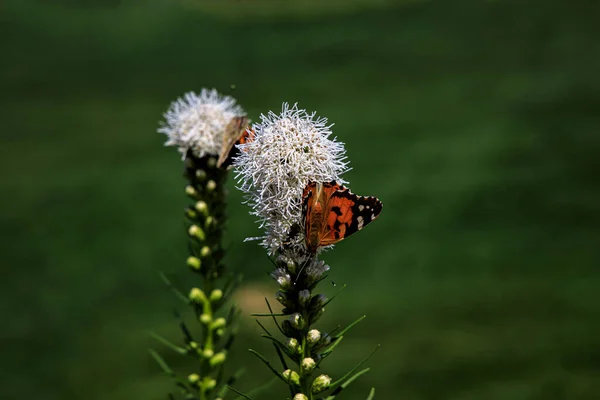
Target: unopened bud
{"type": "Point", "coordinates": [313, 337]}
{"type": "Point", "coordinates": [190, 191]}
{"type": "Point", "coordinates": [191, 213]}
{"type": "Point", "coordinates": [211, 185]}
{"type": "Point", "coordinates": [205, 318]}
{"type": "Point", "coordinates": [216, 295]}
{"type": "Point", "coordinates": [291, 266]}
{"type": "Point", "coordinates": [209, 222]}
{"type": "Point", "coordinates": [209, 383]}
{"type": "Point", "coordinates": [320, 384]}
{"type": "Point", "coordinates": [193, 262]}
{"type": "Point", "coordinates": [303, 297]}
{"type": "Point", "coordinates": [208, 353]}
{"type": "Point", "coordinates": [200, 174]}
{"type": "Point", "coordinates": [193, 345]}
{"type": "Point", "coordinates": [205, 251]}
{"type": "Point", "coordinates": [291, 377]}
{"type": "Point", "coordinates": [300, 396]}
{"type": "Point", "coordinates": [211, 162]}
{"type": "Point", "coordinates": [197, 232]}
{"type": "Point", "coordinates": [294, 345]}
{"type": "Point", "coordinates": [220, 332]}
{"type": "Point", "coordinates": [201, 206]}
{"type": "Point", "coordinates": [219, 323]}
{"type": "Point", "coordinates": [297, 321]}
{"type": "Point", "coordinates": [193, 378]}
{"type": "Point", "coordinates": [197, 296]}
{"type": "Point", "coordinates": [218, 359]}
{"type": "Point", "coordinates": [307, 365]}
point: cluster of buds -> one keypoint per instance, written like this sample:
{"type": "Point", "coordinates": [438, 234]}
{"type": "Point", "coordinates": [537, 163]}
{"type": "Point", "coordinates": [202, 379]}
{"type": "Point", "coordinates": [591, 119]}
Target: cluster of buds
{"type": "Point", "coordinates": [305, 345]}
{"type": "Point", "coordinates": [202, 126]}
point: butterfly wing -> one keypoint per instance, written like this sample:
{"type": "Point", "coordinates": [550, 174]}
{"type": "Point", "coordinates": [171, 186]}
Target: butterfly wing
{"type": "Point", "coordinates": [332, 213]}
{"type": "Point", "coordinates": [235, 132]}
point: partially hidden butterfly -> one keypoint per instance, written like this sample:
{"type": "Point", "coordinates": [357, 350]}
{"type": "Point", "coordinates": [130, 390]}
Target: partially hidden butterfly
{"type": "Point", "coordinates": [236, 132]}
{"type": "Point", "coordinates": [332, 212]}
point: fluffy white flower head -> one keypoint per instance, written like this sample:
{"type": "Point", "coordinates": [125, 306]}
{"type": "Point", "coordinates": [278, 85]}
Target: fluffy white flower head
{"type": "Point", "coordinates": [287, 151]}
{"type": "Point", "coordinates": [198, 121]}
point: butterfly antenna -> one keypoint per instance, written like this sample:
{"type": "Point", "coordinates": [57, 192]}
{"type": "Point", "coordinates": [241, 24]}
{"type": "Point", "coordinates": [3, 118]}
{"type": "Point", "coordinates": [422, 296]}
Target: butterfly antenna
{"type": "Point", "coordinates": [300, 272]}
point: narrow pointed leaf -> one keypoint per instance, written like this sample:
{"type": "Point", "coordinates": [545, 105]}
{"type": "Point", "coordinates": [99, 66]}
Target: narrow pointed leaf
{"type": "Point", "coordinates": [371, 394]}
{"type": "Point", "coordinates": [267, 363]}
{"type": "Point", "coordinates": [259, 389]}
{"type": "Point", "coordinates": [335, 295]}
{"type": "Point", "coordinates": [346, 329]}
{"type": "Point", "coordinates": [167, 343]}
{"type": "Point", "coordinates": [245, 396]}
{"type": "Point", "coordinates": [177, 293]}
{"type": "Point", "coordinates": [349, 373]}
{"type": "Point", "coordinates": [345, 384]}
{"type": "Point", "coordinates": [274, 319]}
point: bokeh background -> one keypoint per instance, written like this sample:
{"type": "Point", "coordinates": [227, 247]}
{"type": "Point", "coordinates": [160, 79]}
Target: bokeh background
{"type": "Point", "coordinates": [476, 122]}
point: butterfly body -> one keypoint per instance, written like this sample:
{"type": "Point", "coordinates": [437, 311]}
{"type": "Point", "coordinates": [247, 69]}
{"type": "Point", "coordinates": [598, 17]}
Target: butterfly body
{"type": "Point", "coordinates": [332, 213]}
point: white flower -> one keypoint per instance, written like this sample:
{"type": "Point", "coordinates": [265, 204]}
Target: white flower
{"type": "Point", "coordinates": [288, 151]}
{"type": "Point", "coordinates": [198, 122]}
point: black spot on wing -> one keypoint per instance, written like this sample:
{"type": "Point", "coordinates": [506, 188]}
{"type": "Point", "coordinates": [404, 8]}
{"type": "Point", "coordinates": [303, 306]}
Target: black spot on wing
{"type": "Point", "coordinates": [370, 210]}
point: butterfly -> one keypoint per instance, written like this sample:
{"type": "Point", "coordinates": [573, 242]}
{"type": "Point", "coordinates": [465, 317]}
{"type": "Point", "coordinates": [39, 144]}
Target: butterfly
{"type": "Point", "coordinates": [236, 132]}
{"type": "Point", "coordinates": [331, 213]}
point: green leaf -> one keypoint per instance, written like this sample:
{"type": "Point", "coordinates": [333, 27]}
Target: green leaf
{"type": "Point", "coordinates": [242, 395]}
{"type": "Point", "coordinates": [335, 295]}
{"type": "Point", "coordinates": [267, 363]}
{"type": "Point", "coordinates": [371, 394]}
{"type": "Point", "coordinates": [177, 293]}
{"type": "Point", "coordinates": [267, 315]}
{"type": "Point", "coordinates": [274, 319]}
{"type": "Point", "coordinates": [232, 379]}
{"type": "Point", "coordinates": [165, 367]}
{"type": "Point", "coordinates": [259, 389]}
{"type": "Point", "coordinates": [346, 329]}
{"type": "Point", "coordinates": [343, 378]}
{"type": "Point", "coordinates": [348, 382]}
{"type": "Point", "coordinates": [167, 343]}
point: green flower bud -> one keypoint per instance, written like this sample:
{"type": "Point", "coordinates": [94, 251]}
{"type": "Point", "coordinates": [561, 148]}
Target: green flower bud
{"type": "Point", "coordinates": [220, 332]}
{"type": "Point", "coordinates": [283, 299]}
{"type": "Point", "coordinates": [294, 345]}
{"type": "Point", "coordinates": [291, 266]}
{"type": "Point", "coordinates": [197, 232]}
{"type": "Point", "coordinates": [297, 321]}
{"type": "Point", "coordinates": [201, 206]}
{"type": "Point", "coordinates": [205, 251]}
{"type": "Point", "coordinates": [291, 377]}
{"type": "Point", "coordinates": [208, 353]}
{"type": "Point", "coordinates": [218, 323]}
{"type": "Point", "coordinates": [190, 191]}
{"type": "Point", "coordinates": [193, 262]}
{"type": "Point", "coordinates": [300, 396]}
{"type": "Point", "coordinates": [315, 315]}
{"type": "Point", "coordinates": [205, 318]}
{"type": "Point", "coordinates": [209, 383]}
{"type": "Point", "coordinates": [211, 162]}
{"type": "Point", "coordinates": [313, 337]}
{"type": "Point", "coordinates": [193, 345]}
{"type": "Point", "coordinates": [191, 213]}
{"type": "Point", "coordinates": [216, 295]}
{"type": "Point", "coordinates": [200, 174]}
{"type": "Point", "coordinates": [211, 185]}
{"type": "Point", "coordinates": [303, 297]}
{"type": "Point", "coordinates": [288, 331]}
{"type": "Point", "coordinates": [209, 222]}
{"type": "Point", "coordinates": [197, 296]}
{"type": "Point", "coordinates": [307, 365]}
{"type": "Point", "coordinates": [193, 378]}
{"type": "Point", "coordinates": [217, 359]}
{"type": "Point", "coordinates": [320, 384]}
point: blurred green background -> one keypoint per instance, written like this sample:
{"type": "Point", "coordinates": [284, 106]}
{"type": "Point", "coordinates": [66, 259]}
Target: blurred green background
{"type": "Point", "coordinates": [476, 123]}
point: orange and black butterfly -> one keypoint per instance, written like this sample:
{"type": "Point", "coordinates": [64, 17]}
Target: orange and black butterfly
{"type": "Point", "coordinates": [332, 212]}
{"type": "Point", "coordinates": [236, 132]}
